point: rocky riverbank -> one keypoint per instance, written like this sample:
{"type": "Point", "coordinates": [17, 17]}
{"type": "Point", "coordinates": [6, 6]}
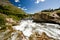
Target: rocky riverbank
{"type": "Point", "coordinates": [10, 16]}
{"type": "Point", "coordinates": [49, 17]}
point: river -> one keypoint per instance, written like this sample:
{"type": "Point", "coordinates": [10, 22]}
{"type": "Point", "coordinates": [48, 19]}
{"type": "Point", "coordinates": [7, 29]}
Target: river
{"type": "Point", "coordinates": [28, 27]}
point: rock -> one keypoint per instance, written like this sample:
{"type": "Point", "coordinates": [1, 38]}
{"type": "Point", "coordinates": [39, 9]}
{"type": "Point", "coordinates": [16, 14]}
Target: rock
{"type": "Point", "coordinates": [10, 21]}
{"type": "Point", "coordinates": [37, 36]}
{"type": "Point", "coordinates": [10, 34]}
{"type": "Point", "coordinates": [47, 17]}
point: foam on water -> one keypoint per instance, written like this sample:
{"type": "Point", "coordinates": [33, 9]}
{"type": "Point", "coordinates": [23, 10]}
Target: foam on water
{"type": "Point", "coordinates": [28, 27]}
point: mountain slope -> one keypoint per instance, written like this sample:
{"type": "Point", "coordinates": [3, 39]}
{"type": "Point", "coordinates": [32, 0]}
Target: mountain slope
{"type": "Point", "coordinates": [10, 14]}
{"type": "Point", "coordinates": [50, 16]}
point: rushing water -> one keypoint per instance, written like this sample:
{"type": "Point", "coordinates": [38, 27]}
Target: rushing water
{"type": "Point", "coordinates": [28, 27]}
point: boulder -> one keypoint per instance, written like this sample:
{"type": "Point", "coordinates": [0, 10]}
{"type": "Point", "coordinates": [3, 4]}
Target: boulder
{"type": "Point", "coordinates": [37, 36]}
{"type": "Point", "coordinates": [11, 34]}
{"type": "Point", "coordinates": [47, 17]}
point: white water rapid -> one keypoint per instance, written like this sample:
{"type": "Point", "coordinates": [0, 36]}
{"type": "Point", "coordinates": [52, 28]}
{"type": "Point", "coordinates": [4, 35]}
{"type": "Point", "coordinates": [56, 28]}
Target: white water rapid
{"type": "Point", "coordinates": [28, 27]}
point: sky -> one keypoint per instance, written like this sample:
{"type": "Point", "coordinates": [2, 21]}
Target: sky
{"type": "Point", "coordinates": [33, 6]}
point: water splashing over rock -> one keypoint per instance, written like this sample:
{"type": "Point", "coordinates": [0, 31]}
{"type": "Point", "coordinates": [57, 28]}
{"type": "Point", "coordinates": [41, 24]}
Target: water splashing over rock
{"type": "Point", "coordinates": [28, 27]}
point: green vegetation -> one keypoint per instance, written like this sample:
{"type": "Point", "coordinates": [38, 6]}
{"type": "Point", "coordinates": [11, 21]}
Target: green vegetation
{"type": "Point", "coordinates": [11, 10]}
{"type": "Point", "coordinates": [7, 10]}
{"type": "Point", "coordinates": [48, 10]}
{"type": "Point", "coordinates": [2, 19]}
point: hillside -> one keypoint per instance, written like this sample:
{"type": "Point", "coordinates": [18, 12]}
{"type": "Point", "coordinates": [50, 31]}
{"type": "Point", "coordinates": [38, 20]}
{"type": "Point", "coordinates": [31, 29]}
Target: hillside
{"type": "Point", "coordinates": [10, 14]}
{"type": "Point", "coordinates": [50, 16]}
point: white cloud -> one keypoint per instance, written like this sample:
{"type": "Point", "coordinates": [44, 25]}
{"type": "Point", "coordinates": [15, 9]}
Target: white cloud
{"type": "Point", "coordinates": [19, 7]}
{"type": "Point", "coordinates": [23, 8]}
{"type": "Point", "coordinates": [38, 1]}
{"type": "Point", "coordinates": [16, 0]}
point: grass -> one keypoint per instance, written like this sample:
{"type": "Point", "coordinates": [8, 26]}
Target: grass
{"type": "Point", "coordinates": [7, 10]}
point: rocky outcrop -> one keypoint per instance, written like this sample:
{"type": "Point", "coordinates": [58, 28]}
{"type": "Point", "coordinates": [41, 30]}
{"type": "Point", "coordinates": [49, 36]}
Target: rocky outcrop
{"type": "Point", "coordinates": [43, 36]}
{"type": "Point", "coordinates": [11, 34]}
{"type": "Point", "coordinates": [52, 17]}
{"type": "Point", "coordinates": [10, 21]}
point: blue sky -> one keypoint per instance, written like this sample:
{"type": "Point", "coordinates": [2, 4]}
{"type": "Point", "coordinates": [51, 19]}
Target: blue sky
{"type": "Point", "coordinates": [32, 6]}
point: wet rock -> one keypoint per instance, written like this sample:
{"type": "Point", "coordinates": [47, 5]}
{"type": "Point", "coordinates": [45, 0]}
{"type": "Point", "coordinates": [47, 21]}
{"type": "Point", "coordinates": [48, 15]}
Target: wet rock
{"type": "Point", "coordinates": [10, 34]}
{"type": "Point", "coordinates": [37, 36]}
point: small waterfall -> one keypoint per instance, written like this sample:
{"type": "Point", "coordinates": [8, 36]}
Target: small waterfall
{"type": "Point", "coordinates": [28, 27]}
